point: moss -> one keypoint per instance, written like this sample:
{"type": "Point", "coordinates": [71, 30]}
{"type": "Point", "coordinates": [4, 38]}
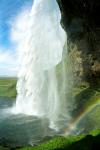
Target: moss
{"type": "Point", "coordinates": [95, 132]}
{"type": "Point", "coordinates": [55, 143]}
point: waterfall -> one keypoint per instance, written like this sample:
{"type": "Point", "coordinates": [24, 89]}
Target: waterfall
{"type": "Point", "coordinates": [40, 52]}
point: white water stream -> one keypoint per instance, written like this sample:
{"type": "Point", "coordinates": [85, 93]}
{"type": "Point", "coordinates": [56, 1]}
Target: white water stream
{"type": "Point", "coordinates": [41, 51]}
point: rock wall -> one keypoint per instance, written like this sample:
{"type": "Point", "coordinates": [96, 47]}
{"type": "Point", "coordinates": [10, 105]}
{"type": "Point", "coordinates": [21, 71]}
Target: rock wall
{"type": "Point", "coordinates": [80, 19]}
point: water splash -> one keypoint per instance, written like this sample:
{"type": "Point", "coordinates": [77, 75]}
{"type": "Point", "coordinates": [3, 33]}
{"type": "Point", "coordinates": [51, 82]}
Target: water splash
{"type": "Point", "coordinates": [40, 52]}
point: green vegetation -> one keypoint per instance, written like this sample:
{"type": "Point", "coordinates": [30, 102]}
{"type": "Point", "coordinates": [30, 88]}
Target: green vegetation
{"type": "Point", "coordinates": [80, 142]}
{"type": "Point", "coordinates": [8, 87]}
{"type": "Point", "coordinates": [3, 148]}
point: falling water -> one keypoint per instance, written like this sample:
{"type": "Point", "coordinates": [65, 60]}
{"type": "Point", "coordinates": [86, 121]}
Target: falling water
{"type": "Point", "coordinates": [41, 51]}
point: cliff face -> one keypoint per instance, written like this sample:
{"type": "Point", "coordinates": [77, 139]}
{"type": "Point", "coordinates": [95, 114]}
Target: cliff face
{"type": "Point", "coordinates": [81, 20]}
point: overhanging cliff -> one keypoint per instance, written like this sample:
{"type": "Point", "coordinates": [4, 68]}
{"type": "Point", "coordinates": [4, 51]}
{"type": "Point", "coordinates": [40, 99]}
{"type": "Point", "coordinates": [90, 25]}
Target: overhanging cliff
{"type": "Point", "coordinates": [81, 20]}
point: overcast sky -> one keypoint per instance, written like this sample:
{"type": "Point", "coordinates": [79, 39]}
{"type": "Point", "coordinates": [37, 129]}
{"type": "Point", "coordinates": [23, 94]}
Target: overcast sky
{"type": "Point", "coordinates": [9, 10]}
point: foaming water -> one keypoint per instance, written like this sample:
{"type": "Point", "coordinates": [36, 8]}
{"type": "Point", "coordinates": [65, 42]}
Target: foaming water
{"type": "Point", "coordinates": [17, 130]}
{"type": "Point", "coordinates": [40, 51]}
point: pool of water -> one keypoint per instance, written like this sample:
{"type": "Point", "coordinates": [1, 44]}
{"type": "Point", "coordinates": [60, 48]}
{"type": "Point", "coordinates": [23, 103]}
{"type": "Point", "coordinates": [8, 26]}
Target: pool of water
{"type": "Point", "coordinates": [20, 130]}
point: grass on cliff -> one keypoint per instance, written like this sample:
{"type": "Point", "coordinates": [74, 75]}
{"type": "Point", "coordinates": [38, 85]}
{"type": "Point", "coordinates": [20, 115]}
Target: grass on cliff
{"type": "Point", "coordinates": [8, 87]}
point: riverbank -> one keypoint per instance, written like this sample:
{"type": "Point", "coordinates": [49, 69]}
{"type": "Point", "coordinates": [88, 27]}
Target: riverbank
{"type": "Point", "coordinates": [80, 142]}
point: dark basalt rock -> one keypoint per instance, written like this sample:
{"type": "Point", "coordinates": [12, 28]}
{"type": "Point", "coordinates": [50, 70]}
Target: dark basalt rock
{"type": "Point", "coordinates": [81, 20]}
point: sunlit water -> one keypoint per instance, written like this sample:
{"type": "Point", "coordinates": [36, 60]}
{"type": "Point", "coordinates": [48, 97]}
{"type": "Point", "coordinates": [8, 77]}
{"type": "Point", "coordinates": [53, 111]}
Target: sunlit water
{"type": "Point", "coordinates": [40, 49]}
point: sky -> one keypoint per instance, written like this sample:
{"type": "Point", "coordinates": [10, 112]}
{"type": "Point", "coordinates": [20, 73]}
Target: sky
{"type": "Point", "coordinates": [9, 10]}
